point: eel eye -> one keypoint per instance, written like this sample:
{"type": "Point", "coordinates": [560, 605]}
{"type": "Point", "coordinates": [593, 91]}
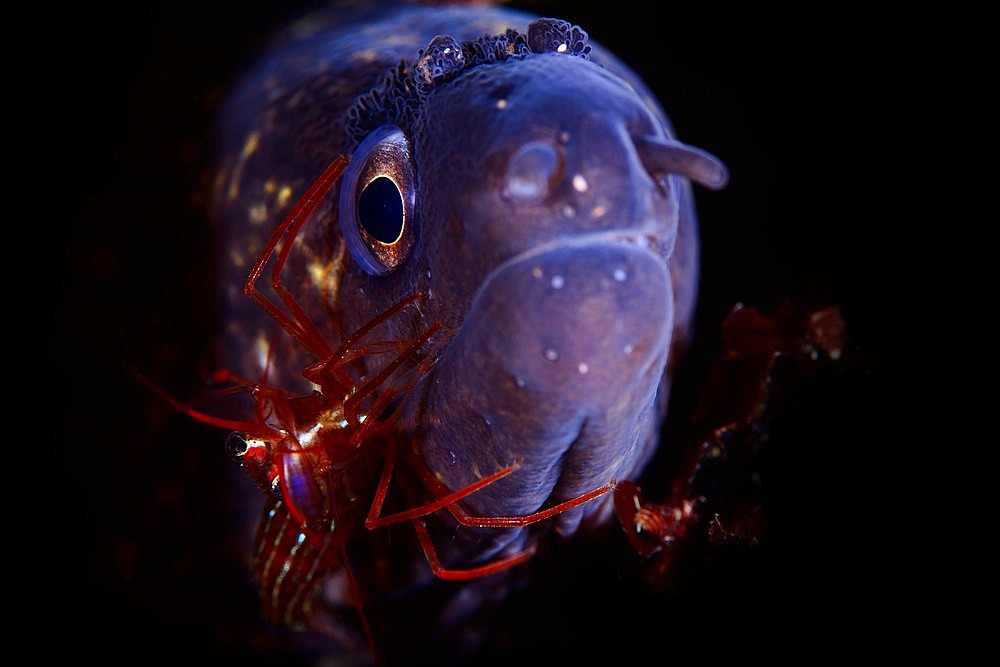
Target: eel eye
{"type": "Point", "coordinates": [378, 202]}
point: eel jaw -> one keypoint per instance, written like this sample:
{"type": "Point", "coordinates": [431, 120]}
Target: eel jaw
{"type": "Point", "coordinates": [556, 366]}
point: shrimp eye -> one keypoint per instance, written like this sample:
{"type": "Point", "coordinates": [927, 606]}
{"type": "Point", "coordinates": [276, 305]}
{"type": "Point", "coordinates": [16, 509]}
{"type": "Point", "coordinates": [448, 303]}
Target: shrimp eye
{"type": "Point", "coordinates": [253, 454]}
{"type": "Point", "coordinates": [237, 446]}
{"type": "Point", "coordinates": [378, 202]}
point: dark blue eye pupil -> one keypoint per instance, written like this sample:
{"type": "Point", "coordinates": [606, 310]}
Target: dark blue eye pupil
{"type": "Point", "coordinates": [380, 210]}
{"type": "Point", "coordinates": [378, 202]}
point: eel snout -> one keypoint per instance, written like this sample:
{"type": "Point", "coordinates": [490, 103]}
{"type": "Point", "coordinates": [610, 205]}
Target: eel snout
{"type": "Point", "coordinates": [555, 366]}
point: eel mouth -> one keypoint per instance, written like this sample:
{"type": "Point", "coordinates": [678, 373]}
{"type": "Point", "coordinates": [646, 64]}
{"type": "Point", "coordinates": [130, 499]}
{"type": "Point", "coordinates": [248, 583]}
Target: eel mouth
{"type": "Point", "coordinates": [556, 366]}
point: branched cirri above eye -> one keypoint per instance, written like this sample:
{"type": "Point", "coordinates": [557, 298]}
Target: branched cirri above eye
{"type": "Point", "coordinates": [546, 35]}
{"type": "Point", "coordinates": [378, 202]}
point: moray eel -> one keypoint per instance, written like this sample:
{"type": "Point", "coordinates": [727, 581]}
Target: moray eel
{"type": "Point", "coordinates": [537, 198]}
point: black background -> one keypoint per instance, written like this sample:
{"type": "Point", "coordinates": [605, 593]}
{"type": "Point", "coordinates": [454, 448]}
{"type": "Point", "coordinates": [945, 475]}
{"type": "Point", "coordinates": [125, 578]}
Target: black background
{"type": "Point", "coordinates": [148, 537]}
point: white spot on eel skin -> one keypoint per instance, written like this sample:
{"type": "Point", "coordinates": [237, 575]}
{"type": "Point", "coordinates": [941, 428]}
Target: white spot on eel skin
{"type": "Point", "coordinates": [263, 351]}
{"type": "Point", "coordinates": [257, 213]}
{"type": "Point", "coordinates": [284, 195]}
{"type": "Point", "coordinates": [557, 282]}
{"type": "Point", "coordinates": [551, 354]}
{"type": "Point", "coordinates": [251, 144]}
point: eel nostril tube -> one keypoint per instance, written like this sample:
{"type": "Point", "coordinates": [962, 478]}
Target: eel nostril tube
{"type": "Point", "coordinates": [672, 157]}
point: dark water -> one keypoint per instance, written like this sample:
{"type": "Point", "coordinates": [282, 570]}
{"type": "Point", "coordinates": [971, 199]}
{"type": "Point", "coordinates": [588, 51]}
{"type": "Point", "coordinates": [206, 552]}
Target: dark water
{"type": "Point", "coordinates": [150, 556]}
